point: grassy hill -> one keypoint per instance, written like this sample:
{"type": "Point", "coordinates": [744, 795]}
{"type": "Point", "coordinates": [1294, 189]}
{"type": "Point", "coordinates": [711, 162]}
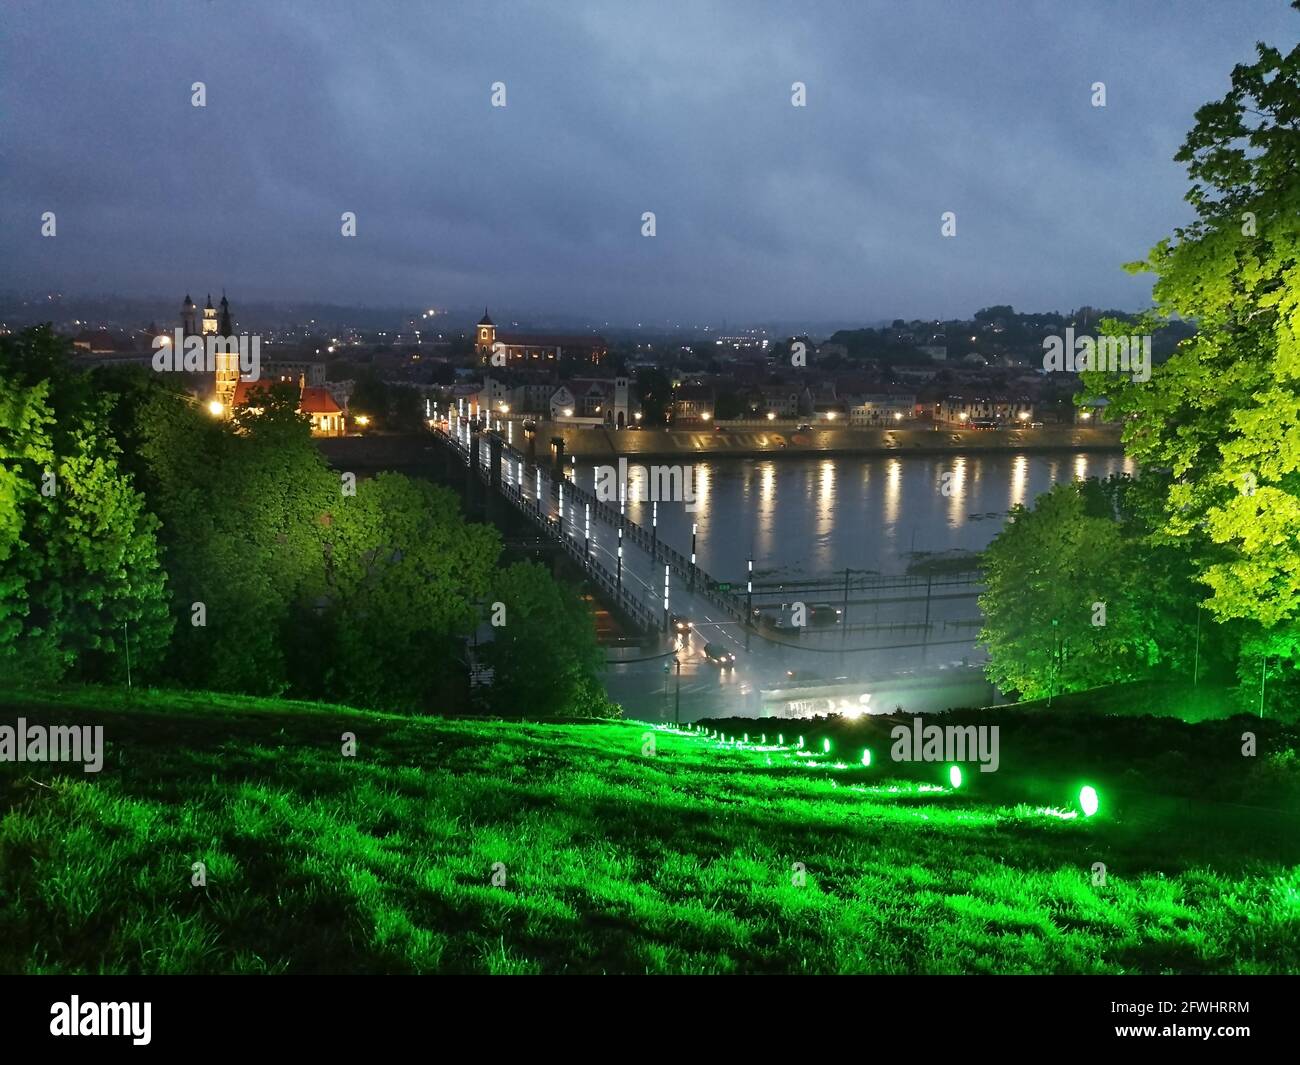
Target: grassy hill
{"type": "Point", "coordinates": [614, 858]}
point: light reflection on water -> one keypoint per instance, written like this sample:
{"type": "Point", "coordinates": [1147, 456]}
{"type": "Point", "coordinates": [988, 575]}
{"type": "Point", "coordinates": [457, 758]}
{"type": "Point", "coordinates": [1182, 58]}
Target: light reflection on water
{"type": "Point", "coordinates": [812, 516]}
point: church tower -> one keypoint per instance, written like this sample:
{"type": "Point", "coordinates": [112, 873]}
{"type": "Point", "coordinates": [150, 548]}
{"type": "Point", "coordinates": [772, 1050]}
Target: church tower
{"type": "Point", "coordinates": [209, 318]}
{"type": "Point", "coordinates": [486, 335]}
{"type": "Point", "coordinates": [227, 362]}
{"type": "Point", "coordinates": [225, 327]}
{"type": "Point", "coordinates": [189, 318]}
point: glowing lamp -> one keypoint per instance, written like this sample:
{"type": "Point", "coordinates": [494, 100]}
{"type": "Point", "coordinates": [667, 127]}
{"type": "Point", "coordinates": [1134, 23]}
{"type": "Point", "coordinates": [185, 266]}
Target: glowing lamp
{"type": "Point", "coordinates": [1089, 803]}
{"type": "Point", "coordinates": [954, 776]}
{"type": "Point", "coordinates": [826, 746]}
{"type": "Point", "coordinates": [215, 408]}
{"type": "Point", "coordinates": [866, 756]}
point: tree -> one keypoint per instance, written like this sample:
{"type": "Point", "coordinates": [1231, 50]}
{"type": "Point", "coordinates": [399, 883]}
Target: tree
{"type": "Point", "coordinates": [1223, 413]}
{"type": "Point", "coordinates": [80, 579]}
{"type": "Point", "coordinates": [655, 391]}
{"type": "Point", "coordinates": [1064, 607]}
{"type": "Point", "coordinates": [370, 398]}
{"type": "Point", "coordinates": [545, 657]}
{"type": "Point", "coordinates": [404, 574]}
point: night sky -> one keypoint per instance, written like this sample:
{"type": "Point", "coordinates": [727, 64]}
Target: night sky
{"type": "Point", "coordinates": [764, 211]}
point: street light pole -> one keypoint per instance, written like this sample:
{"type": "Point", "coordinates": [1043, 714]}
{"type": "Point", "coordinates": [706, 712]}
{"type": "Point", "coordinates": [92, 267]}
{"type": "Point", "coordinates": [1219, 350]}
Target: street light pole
{"type": "Point", "coordinates": [677, 701]}
{"type": "Point", "coordinates": [1196, 660]}
{"type": "Point", "coordinates": [1263, 668]}
{"type": "Point", "coordinates": [694, 527]}
{"type": "Point", "coordinates": [1051, 686]}
{"type": "Point", "coordinates": [749, 599]}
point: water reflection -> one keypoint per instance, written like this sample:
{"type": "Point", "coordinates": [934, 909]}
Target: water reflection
{"type": "Point", "coordinates": [811, 516]}
{"type": "Point", "coordinates": [953, 485]}
{"type": "Point", "coordinates": [1019, 480]}
{"type": "Point", "coordinates": [893, 494]}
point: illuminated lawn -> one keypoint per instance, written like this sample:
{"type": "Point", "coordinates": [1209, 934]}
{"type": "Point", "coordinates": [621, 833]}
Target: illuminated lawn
{"type": "Point", "coordinates": [614, 862]}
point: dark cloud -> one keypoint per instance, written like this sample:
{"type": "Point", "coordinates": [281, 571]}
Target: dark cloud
{"type": "Point", "coordinates": [764, 210]}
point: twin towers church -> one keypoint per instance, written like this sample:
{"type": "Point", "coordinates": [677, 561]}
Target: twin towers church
{"type": "Point", "coordinates": [229, 391]}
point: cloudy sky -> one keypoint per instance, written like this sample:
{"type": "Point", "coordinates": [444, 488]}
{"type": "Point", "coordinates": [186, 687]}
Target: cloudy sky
{"type": "Point", "coordinates": [764, 211]}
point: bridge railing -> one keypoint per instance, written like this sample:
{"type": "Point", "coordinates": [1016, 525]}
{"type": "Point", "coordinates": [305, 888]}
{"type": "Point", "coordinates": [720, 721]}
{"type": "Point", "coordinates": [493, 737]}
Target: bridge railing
{"type": "Point", "coordinates": [619, 595]}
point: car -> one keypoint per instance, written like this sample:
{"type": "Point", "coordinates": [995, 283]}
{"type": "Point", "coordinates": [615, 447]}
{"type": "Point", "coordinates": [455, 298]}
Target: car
{"type": "Point", "coordinates": [719, 656]}
{"type": "Point", "coordinates": [823, 614]}
{"type": "Point", "coordinates": [804, 428]}
{"type": "Point", "coordinates": [681, 624]}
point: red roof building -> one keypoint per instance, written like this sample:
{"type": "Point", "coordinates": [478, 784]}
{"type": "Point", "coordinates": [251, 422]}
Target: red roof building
{"type": "Point", "coordinates": [316, 404]}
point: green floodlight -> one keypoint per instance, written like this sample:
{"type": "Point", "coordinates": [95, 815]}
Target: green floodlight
{"type": "Point", "coordinates": [866, 756]}
{"type": "Point", "coordinates": [826, 746]}
{"type": "Point", "coordinates": [763, 739]}
{"type": "Point", "coordinates": [954, 776]}
{"type": "Point", "coordinates": [1089, 803]}
{"type": "Point", "coordinates": [746, 737]}
{"type": "Point", "coordinates": [780, 739]}
{"type": "Point", "coordinates": [801, 743]}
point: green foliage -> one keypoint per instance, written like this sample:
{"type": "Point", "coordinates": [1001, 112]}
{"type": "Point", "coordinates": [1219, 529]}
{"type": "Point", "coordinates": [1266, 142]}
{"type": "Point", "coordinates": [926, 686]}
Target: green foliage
{"type": "Point", "coordinates": [1223, 413]}
{"type": "Point", "coordinates": [370, 397]}
{"type": "Point", "coordinates": [404, 574]}
{"type": "Point", "coordinates": [545, 657]}
{"type": "Point", "coordinates": [1079, 546]}
{"type": "Point", "coordinates": [80, 580]}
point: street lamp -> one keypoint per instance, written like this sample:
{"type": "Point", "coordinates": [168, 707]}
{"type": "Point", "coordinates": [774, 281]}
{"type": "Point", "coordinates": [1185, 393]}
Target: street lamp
{"type": "Point", "coordinates": [694, 527]}
{"type": "Point", "coordinates": [749, 600]}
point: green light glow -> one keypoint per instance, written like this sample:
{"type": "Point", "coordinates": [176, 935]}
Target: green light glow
{"type": "Point", "coordinates": [780, 739]}
{"type": "Point", "coordinates": [866, 756]}
{"type": "Point", "coordinates": [801, 743]}
{"type": "Point", "coordinates": [1088, 801]}
{"type": "Point", "coordinates": [826, 746]}
{"type": "Point", "coordinates": [954, 775]}
{"type": "Point", "coordinates": [746, 737]}
{"type": "Point", "coordinates": [763, 739]}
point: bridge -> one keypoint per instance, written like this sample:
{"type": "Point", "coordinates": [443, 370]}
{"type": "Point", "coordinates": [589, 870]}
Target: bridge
{"type": "Point", "coordinates": [883, 622]}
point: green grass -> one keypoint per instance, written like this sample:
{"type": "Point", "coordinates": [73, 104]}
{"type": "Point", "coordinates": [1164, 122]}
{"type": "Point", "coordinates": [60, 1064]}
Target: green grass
{"type": "Point", "coordinates": [614, 861]}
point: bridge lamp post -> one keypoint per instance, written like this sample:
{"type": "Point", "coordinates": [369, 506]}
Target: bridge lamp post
{"type": "Point", "coordinates": [749, 601]}
{"type": "Point", "coordinates": [694, 528]}
{"type": "Point", "coordinates": [537, 493]}
{"type": "Point", "coordinates": [654, 527]}
{"type": "Point", "coordinates": [666, 571]}
{"type": "Point", "coordinates": [560, 486]}
{"type": "Point", "coordinates": [677, 699]}
{"type": "Point", "coordinates": [587, 536]}
{"type": "Point", "coordinates": [620, 560]}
